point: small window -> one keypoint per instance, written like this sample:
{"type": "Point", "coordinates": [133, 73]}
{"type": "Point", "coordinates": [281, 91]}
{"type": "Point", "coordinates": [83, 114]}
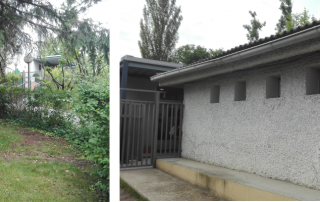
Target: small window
{"type": "Point", "coordinates": [39, 67]}
{"type": "Point", "coordinates": [273, 86]}
{"type": "Point", "coordinates": [312, 81]}
{"type": "Point", "coordinates": [215, 94]}
{"type": "Point", "coordinates": [240, 91]}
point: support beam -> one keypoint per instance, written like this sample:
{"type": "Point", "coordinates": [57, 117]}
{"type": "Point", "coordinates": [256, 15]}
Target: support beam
{"type": "Point", "coordinates": [124, 79]}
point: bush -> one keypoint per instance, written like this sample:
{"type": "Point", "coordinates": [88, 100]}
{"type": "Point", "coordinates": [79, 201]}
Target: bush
{"type": "Point", "coordinates": [13, 78]}
{"type": "Point", "coordinates": [92, 135]}
{"type": "Point", "coordinates": [81, 116]}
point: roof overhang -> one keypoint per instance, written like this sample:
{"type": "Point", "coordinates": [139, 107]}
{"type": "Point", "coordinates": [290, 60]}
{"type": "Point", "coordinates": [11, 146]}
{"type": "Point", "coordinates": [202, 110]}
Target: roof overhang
{"type": "Point", "coordinates": [245, 59]}
{"type": "Point", "coordinates": [52, 60]}
{"type": "Point", "coordinates": [141, 67]}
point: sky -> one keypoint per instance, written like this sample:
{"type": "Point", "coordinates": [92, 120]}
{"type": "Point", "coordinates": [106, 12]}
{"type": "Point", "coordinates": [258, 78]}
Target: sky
{"type": "Point", "coordinates": [209, 23]}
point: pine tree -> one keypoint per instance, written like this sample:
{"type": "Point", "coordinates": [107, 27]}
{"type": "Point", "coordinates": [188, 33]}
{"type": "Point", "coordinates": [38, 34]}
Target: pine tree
{"type": "Point", "coordinates": [39, 15]}
{"type": "Point", "coordinates": [254, 28]}
{"type": "Point", "coordinates": [159, 29]}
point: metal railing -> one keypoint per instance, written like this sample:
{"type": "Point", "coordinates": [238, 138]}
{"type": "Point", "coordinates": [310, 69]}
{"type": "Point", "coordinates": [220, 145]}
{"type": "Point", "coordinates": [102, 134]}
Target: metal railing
{"type": "Point", "coordinates": [149, 130]}
{"type": "Point", "coordinates": [169, 130]}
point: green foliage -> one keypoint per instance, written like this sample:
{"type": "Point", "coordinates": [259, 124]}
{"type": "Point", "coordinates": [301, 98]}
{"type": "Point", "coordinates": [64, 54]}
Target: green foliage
{"type": "Point", "coordinates": [41, 108]}
{"type": "Point", "coordinates": [92, 134]}
{"type": "Point", "coordinates": [10, 101]}
{"type": "Point", "coordinates": [81, 116]}
{"type": "Point", "coordinates": [190, 53]}
{"type": "Point", "coordinates": [59, 78]}
{"type": "Point", "coordinates": [8, 136]}
{"type": "Point", "coordinates": [286, 10]}
{"type": "Point", "coordinates": [289, 20]}
{"type": "Point", "coordinates": [28, 175]}
{"type": "Point", "coordinates": [11, 79]}
{"type": "Point", "coordinates": [299, 19]}
{"type": "Point", "coordinates": [42, 18]}
{"type": "Point", "coordinates": [159, 29]}
{"type": "Point", "coordinates": [253, 30]}
{"type": "Point", "coordinates": [36, 74]}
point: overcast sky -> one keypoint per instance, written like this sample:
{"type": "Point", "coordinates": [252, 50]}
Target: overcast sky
{"type": "Point", "coordinates": [209, 23]}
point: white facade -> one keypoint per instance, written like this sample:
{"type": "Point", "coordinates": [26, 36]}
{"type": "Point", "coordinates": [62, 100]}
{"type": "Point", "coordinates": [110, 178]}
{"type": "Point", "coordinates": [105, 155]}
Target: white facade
{"type": "Point", "coordinates": [272, 137]}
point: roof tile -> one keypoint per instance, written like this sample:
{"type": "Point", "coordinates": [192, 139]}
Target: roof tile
{"type": "Point", "coordinates": [258, 42]}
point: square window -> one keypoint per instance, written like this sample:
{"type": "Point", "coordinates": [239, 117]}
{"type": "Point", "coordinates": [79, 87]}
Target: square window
{"type": "Point", "coordinates": [215, 94]}
{"type": "Point", "coordinates": [240, 93]}
{"type": "Point", "coordinates": [312, 81]}
{"type": "Point", "coordinates": [273, 86]}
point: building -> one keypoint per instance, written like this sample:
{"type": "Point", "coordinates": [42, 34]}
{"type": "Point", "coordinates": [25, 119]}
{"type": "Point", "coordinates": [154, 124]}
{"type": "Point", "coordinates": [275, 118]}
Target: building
{"type": "Point", "coordinates": [135, 73]}
{"type": "Point", "coordinates": [256, 107]}
{"type": "Point", "coordinates": [147, 111]}
{"type": "Point", "coordinates": [37, 67]}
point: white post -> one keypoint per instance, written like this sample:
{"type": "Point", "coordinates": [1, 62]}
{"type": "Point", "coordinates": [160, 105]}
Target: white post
{"type": "Point", "coordinates": [29, 79]}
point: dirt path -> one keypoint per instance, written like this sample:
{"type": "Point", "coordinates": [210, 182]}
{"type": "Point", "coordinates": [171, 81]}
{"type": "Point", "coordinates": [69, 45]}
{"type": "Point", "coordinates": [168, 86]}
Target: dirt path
{"type": "Point", "coordinates": [43, 163]}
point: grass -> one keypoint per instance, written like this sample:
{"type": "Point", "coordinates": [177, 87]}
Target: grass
{"type": "Point", "coordinates": [8, 136]}
{"type": "Point", "coordinates": [132, 191]}
{"type": "Point", "coordinates": [38, 168]}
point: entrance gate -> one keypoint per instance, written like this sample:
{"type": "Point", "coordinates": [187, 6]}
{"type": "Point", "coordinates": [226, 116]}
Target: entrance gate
{"type": "Point", "coordinates": [149, 130]}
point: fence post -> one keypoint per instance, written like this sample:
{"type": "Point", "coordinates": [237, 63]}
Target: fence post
{"type": "Point", "coordinates": [156, 130]}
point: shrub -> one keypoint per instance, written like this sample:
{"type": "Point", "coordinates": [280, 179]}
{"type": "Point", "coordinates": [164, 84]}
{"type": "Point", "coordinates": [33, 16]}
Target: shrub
{"type": "Point", "coordinates": [92, 135]}
{"type": "Point", "coordinates": [81, 116]}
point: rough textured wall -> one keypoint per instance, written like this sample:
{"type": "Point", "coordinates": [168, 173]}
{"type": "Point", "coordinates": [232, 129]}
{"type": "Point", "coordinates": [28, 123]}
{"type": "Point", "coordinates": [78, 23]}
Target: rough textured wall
{"type": "Point", "coordinates": [275, 137]}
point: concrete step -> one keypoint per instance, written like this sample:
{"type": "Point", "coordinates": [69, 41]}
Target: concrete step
{"type": "Point", "coordinates": [156, 185]}
{"type": "Point", "coordinates": [234, 185]}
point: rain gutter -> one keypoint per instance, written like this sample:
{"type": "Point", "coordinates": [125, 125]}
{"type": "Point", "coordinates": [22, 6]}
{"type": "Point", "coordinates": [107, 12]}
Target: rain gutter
{"type": "Point", "coordinates": [256, 50]}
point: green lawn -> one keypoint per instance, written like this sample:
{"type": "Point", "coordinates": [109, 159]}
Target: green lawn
{"type": "Point", "coordinates": [38, 168]}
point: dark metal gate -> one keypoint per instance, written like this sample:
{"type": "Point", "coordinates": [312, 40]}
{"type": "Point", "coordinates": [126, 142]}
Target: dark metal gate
{"type": "Point", "coordinates": [149, 130]}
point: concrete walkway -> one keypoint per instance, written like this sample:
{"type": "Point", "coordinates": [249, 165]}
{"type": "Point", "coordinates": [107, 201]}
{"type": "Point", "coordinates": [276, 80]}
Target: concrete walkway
{"type": "Point", "coordinates": [179, 179]}
{"type": "Point", "coordinates": [155, 185]}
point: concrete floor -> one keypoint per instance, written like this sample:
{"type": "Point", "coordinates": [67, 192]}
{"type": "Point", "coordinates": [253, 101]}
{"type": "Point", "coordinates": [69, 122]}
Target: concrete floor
{"type": "Point", "coordinates": [156, 185]}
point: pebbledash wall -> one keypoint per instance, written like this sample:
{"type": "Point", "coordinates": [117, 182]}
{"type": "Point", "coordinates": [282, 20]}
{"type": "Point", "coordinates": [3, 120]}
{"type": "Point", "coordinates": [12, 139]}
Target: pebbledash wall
{"type": "Point", "coordinates": [273, 137]}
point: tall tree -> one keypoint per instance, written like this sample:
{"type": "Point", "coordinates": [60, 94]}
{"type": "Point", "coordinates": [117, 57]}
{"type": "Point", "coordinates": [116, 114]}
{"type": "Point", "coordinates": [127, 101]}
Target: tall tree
{"type": "Point", "coordinates": [86, 48]}
{"type": "Point", "coordinates": [39, 15]}
{"type": "Point", "coordinates": [299, 19]}
{"type": "Point", "coordinates": [190, 53]}
{"type": "Point", "coordinates": [286, 10]}
{"type": "Point", "coordinates": [159, 29]}
{"type": "Point", "coordinates": [253, 30]}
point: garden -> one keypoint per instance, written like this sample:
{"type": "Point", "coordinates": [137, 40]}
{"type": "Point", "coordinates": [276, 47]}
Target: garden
{"type": "Point", "coordinates": [77, 120]}
{"type": "Point", "coordinates": [54, 133]}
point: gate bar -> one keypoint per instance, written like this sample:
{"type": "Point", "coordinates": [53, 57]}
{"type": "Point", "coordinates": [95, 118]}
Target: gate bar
{"type": "Point", "coordinates": [161, 139]}
{"type": "Point", "coordinates": [180, 129]}
{"type": "Point", "coordinates": [133, 132]}
{"type": "Point", "coordinates": [175, 129]}
{"type": "Point", "coordinates": [156, 129]}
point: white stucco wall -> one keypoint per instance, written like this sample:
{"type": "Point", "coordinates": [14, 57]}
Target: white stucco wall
{"type": "Point", "coordinates": [275, 137]}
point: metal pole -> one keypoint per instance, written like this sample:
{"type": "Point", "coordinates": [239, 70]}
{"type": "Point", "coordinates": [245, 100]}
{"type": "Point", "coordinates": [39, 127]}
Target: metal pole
{"type": "Point", "coordinates": [23, 79]}
{"type": "Point", "coordinates": [156, 130]}
{"type": "Point", "coordinates": [29, 80]}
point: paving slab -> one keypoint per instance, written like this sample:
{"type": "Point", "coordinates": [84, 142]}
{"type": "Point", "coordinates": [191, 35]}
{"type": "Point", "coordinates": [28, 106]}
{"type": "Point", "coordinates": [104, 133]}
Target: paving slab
{"type": "Point", "coordinates": [156, 185]}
